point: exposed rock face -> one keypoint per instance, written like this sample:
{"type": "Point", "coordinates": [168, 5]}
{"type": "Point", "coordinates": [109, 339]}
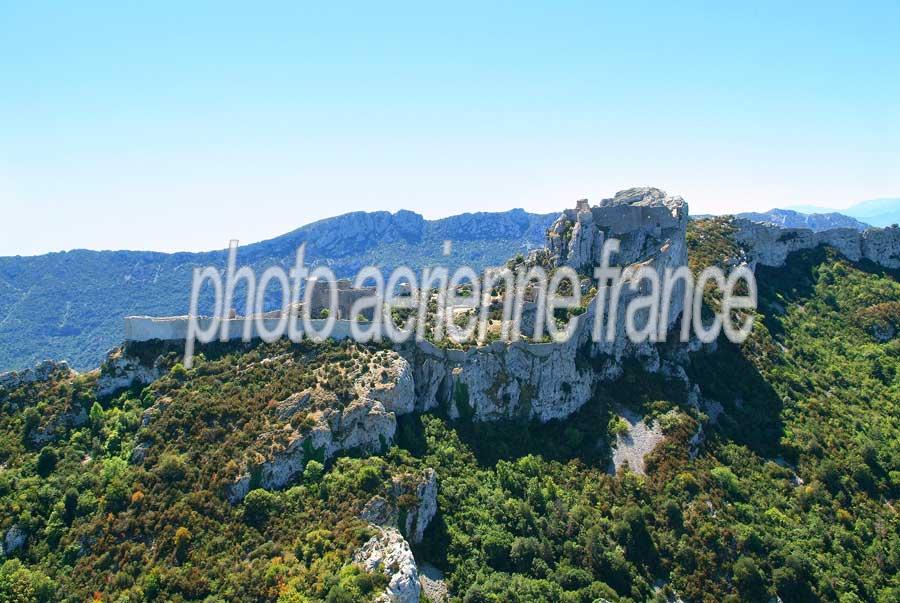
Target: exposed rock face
{"type": "Point", "coordinates": [544, 381]}
{"type": "Point", "coordinates": [418, 518]}
{"type": "Point", "coordinates": [122, 370]}
{"type": "Point", "coordinates": [639, 441]}
{"type": "Point", "coordinates": [390, 554]}
{"type": "Point", "coordinates": [392, 385]}
{"type": "Point", "coordinates": [414, 518]}
{"type": "Point", "coordinates": [643, 219]}
{"type": "Point", "coordinates": [770, 245]}
{"type": "Point", "coordinates": [42, 372]}
{"type": "Point", "coordinates": [363, 425]}
{"type": "Point", "coordinates": [366, 424]}
{"type": "Point", "coordinates": [73, 416]}
{"type": "Point", "coordinates": [14, 540]}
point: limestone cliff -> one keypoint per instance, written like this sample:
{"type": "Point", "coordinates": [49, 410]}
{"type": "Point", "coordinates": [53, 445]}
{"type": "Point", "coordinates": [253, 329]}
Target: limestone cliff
{"type": "Point", "coordinates": [547, 381]}
{"type": "Point", "coordinates": [382, 388]}
{"type": "Point", "coordinates": [411, 504]}
{"type": "Point", "coordinates": [389, 553]}
{"type": "Point", "coordinates": [770, 245]}
{"type": "Point", "coordinates": [643, 219]}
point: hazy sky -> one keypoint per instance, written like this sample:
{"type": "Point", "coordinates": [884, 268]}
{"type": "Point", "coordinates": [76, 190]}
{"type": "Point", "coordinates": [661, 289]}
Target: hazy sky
{"type": "Point", "coordinates": [179, 127]}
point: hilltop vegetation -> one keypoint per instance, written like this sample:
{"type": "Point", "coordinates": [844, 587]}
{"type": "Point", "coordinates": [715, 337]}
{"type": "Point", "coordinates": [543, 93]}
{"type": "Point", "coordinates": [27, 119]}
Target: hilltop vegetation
{"type": "Point", "coordinates": [69, 306]}
{"type": "Point", "coordinates": [791, 492]}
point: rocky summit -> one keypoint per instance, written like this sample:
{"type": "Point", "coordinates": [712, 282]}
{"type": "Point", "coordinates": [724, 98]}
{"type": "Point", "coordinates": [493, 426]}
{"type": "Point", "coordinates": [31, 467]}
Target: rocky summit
{"type": "Point", "coordinates": [536, 470]}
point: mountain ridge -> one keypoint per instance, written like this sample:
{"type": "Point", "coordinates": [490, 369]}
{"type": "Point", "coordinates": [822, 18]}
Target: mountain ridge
{"type": "Point", "coordinates": [787, 218]}
{"type": "Point", "coordinates": [880, 212]}
{"type": "Point", "coordinates": [70, 304]}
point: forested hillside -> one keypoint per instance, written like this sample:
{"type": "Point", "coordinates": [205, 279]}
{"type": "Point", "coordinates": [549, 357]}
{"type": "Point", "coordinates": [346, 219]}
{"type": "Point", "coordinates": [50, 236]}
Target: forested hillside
{"type": "Point", "coordinates": [790, 488]}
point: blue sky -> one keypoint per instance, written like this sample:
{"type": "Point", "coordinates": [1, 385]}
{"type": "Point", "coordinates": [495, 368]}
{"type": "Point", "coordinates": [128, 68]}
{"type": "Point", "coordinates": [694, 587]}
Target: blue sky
{"type": "Point", "coordinates": [131, 126]}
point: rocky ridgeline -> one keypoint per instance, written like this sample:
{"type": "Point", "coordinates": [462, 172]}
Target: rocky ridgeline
{"type": "Point", "coordinates": [366, 424]}
{"type": "Point", "coordinates": [53, 423]}
{"type": "Point", "coordinates": [769, 245]}
{"type": "Point", "coordinates": [399, 519]}
{"type": "Point", "coordinates": [643, 219]}
{"type": "Point", "coordinates": [786, 218]}
{"type": "Point", "coordinates": [529, 380]}
{"type": "Point", "coordinates": [544, 381]}
{"type": "Point", "coordinates": [389, 553]}
{"type": "Point", "coordinates": [44, 371]}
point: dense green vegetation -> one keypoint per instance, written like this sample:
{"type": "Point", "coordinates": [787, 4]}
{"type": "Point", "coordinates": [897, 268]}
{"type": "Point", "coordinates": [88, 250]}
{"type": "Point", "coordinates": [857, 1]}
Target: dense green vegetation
{"type": "Point", "coordinates": [793, 492]}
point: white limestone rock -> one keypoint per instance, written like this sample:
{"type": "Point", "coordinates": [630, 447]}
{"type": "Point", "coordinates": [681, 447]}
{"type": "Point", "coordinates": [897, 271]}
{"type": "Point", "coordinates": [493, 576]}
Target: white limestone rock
{"type": "Point", "coordinates": [367, 423]}
{"type": "Point", "coordinates": [639, 441]}
{"type": "Point", "coordinates": [386, 512]}
{"type": "Point", "coordinates": [426, 494]}
{"type": "Point", "coordinates": [392, 385]}
{"type": "Point", "coordinates": [43, 371]}
{"type": "Point", "coordinates": [14, 540]}
{"type": "Point", "coordinates": [121, 371]}
{"type": "Point", "coordinates": [770, 245]}
{"type": "Point", "coordinates": [543, 381]}
{"type": "Point", "coordinates": [389, 553]}
{"type": "Point", "coordinates": [363, 425]}
{"type": "Point", "coordinates": [641, 218]}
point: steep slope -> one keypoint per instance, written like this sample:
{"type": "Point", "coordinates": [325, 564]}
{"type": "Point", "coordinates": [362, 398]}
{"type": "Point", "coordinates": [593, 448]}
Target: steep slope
{"type": "Point", "coordinates": [777, 473]}
{"type": "Point", "coordinates": [70, 305]}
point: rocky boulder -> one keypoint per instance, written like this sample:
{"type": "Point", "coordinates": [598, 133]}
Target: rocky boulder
{"type": "Point", "coordinates": [123, 370]}
{"type": "Point", "coordinates": [389, 553]}
{"type": "Point", "coordinates": [13, 540]}
{"type": "Point", "coordinates": [382, 387]}
{"type": "Point", "coordinates": [411, 505]}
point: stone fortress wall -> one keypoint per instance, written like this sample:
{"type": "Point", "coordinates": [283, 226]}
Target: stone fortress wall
{"type": "Point", "coordinates": [543, 381]}
{"type": "Point", "coordinates": [636, 216]}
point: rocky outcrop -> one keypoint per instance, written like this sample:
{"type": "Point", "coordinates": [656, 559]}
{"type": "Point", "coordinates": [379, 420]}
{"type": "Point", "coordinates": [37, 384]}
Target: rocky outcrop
{"type": "Point", "coordinates": [770, 245]}
{"type": "Point", "coordinates": [13, 540]}
{"type": "Point", "coordinates": [546, 381]}
{"type": "Point", "coordinates": [391, 383]}
{"type": "Point", "coordinates": [634, 444]}
{"type": "Point", "coordinates": [411, 505]}
{"type": "Point", "coordinates": [44, 371]}
{"type": "Point", "coordinates": [363, 425]}
{"type": "Point", "coordinates": [421, 514]}
{"type": "Point", "coordinates": [383, 388]}
{"type": "Point", "coordinates": [123, 370]}
{"type": "Point", "coordinates": [73, 416]}
{"type": "Point", "coordinates": [56, 420]}
{"type": "Point", "coordinates": [643, 219]}
{"type": "Point", "coordinates": [389, 553]}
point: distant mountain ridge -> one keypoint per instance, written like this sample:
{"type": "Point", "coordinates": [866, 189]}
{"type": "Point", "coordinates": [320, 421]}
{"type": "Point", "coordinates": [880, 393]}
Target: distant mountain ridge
{"type": "Point", "coordinates": [70, 305]}
{"type": "Point", "coordinates": [786, 218]}
{"type": "Point", "coordinates": [877, 212]}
